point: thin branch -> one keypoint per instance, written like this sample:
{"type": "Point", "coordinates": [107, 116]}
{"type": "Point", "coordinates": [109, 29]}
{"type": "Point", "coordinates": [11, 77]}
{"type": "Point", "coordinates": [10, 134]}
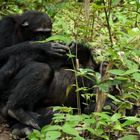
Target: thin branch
{"type": "Point", "coordinates": [107, 16]}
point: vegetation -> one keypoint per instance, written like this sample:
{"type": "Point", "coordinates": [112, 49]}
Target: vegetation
{"type": "Point", "coordinates": [112, 30]}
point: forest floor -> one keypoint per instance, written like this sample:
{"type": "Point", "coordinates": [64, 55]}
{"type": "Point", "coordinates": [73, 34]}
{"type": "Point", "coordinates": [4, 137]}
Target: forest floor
{"type": "Point", "coordinates": [5, 133]}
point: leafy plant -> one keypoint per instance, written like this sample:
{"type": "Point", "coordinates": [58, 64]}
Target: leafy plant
{"type": "Point", "coordinates": [112, 29]}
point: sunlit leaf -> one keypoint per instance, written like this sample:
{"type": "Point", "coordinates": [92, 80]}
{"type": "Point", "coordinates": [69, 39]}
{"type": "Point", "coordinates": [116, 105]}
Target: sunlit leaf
{"type": "Point", "coordinates": [138, 129]}
{"type": "Point", "coordinates": [117, 127]}
{"type": "Point", "coordinates": [133, 119]}
{"type": "Point", "coordinates": [131, 64]}
{"type": "Point", "coordinates": [115, 2]}
{"type": "Point", "coordinates": [69, 130]}
{"type": "Point", "coordinates": [58, 38]}
{"type": "Point", "coordinates": [128, 123]}
{"type": "Point", "coordinates": [134, 31]}
{"type": "Point", "coordinates": [130, 71]}
{"type": "Point", "coordinates": [50, 128]}
{"type": "Point", "coordinates": [115, 117]}
{"type": "Point", "coordinates": [129, 137]}
{"type": "Point", "coordinates": [116, 71]}
{"type": "Point", "coordinates": [52, 135]}
{"type": "Point", "coordinates": [113, 98]}
{"type": "Point", "coordinates": [136, 76]}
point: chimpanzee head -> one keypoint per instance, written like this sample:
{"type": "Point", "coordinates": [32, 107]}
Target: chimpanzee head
{"type": "Point", "coordinates": [84, 54]}
{"type": "Point", "coordinates": [35, 25]}
{"type": "Point", "coordinates": [30, 26]}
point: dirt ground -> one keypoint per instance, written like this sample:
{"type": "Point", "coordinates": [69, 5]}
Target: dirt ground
{"type": "Point", "coordinates": [5, 133]}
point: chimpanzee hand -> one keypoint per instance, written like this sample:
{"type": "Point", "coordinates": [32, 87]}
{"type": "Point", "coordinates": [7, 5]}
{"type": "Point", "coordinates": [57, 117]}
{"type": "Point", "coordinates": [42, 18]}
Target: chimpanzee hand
{"type": "Point", "coordinates": [59, 49]}
{"type": "Point", "coordinates": [50, 48]}
{"type": "Point", "coordinates": [53, 48]}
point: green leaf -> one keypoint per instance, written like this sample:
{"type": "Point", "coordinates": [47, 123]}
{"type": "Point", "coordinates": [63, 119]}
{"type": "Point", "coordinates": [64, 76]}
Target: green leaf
{"type": "Point", "coordinates": [138, 129]}
{"type": "Point", "coordinates": [90, 121]}
{"type": "Point", "coordinates": [50, 128]}
{"type": "Point", "coordinates": [91, 130]}
{"type": "Point", "coordinates": [117, 127]}
{"type": "Point", "coordinates": [116, 71]}
{"type": "Point", "coordinates": [131, 64]}
{"type": "Point", "coordinates": [97, 7]}
{"type": "Point", "coordinates": [134, 31]}
{"type": "Point", "coordinates": [70, 55]}
{"type": "Point", "coordinates": [136, 76]}
{"type": "Point", "coordinates": [52, 135]}
{"type": "Point", "coordinates": [99, 131]}
{"type": "Point", "coordinates": [78, 138]}
{"type": "Point", "coordinates": [128, 123]}
{"type": "Point", "coordinates": [76, 118]}
{"type": "Point", "coordinates": [103, 115]}
{"type": "Point", "coordinates": [129, 137]}
{"type": "Point", "coordinates": [104, 87]}
{"type": "Point", "coordinates": [105, 137]}
{"type": "Point", "coordinates": [132, 119]}
{"type": "Point", "coordinates": [114, 98]}
{"type": "Point", "coordinates": [115, 117]}
{"type": "Point", "coordinates": [69, 88]}
{"type": "Point", "coordinates": [121, 78]}
{"type": "Point", "coordinates": [115, 2]}
{"type": "Point", "coordinates": [137, 52]}
{"type": "Point", "coordinates": [32, 138]}
{"type": "Point", "coordinates": [69, 130]}
{"type": "Point", "coordinates": [35, 135]}
{"type": "Point", "coordinates": [58, 117]}
{"type": "Point", "coordinates": [130, 71]}
{"type": "Point", "coordinates": [58, 38]}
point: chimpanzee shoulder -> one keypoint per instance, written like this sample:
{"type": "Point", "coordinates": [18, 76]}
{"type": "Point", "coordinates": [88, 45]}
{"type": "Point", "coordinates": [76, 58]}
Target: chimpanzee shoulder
{"type": "Point", "coordinates": [8, 27]}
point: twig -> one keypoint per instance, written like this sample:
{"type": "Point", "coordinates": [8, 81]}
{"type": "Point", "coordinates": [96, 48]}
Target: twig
{"type": "Point", "coordinates": [107, 16]}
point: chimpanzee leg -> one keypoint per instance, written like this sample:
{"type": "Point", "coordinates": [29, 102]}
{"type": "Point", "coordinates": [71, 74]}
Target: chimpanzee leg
{"type": "Point", "coordinates": [6, 72]}
{"type": "Point", "coordinates": [43, 117]}
{"type": "Point", "coordinates": [21, 130]}
{"type": "Point", "coordinates": [32, 82]}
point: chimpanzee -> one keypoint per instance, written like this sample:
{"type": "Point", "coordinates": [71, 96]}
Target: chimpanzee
{"type": "Point", "coordinates": [44, 84]}
{"type": "Point", "coordinates": [31, 25]}
{"type": "Point", "coordinates": [16, 34]}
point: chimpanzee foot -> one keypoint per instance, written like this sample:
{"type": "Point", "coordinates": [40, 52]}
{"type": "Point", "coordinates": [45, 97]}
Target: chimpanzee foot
{"type": "Point", "coordinates": [23, 117]}
{"type": "Point", "coordinates": [20, 131]}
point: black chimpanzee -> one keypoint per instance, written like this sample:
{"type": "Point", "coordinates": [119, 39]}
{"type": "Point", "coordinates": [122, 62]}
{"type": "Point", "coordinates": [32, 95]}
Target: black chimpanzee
{"type": "Point", "coordinates": [16, 34]}
{"type": "Point", "coordinates": [45, 84]}
{"type": "Point", "coordinates": [31, 25]}
{"type": "Point", "coordinates": [29, 75]}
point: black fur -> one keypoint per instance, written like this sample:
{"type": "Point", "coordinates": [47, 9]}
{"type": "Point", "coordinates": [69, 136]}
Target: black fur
{"type": "Point", "coordinates": [32, 74]}
{"type": "Point", "coordinates": [40, 84]}
{"type": "Point", "coordinates": [21, 28]}
{"type": "Point", "coordinates": [17, 46]}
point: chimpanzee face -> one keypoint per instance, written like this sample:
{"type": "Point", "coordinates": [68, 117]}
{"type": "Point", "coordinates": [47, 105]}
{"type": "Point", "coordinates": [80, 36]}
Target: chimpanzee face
{"type": "Point", "coordinates": [41, 34]}
{"type": "Point", "coordinates": [36, 26]}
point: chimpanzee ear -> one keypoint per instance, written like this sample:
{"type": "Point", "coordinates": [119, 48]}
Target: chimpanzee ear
{"type": "Point", "coordinates": [25, 23]}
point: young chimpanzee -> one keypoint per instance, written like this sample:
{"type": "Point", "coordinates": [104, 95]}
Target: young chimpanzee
{"type": "Point", "coordinates": [17, 35]}
{"type": "Point", "coordinates": [45, 84]}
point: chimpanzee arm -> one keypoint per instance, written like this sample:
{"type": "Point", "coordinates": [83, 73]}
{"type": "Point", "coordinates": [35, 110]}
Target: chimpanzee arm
{"type": "Point", "coordinates": [50, 48]}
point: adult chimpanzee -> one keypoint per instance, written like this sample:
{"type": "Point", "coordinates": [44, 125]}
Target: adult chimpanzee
{"type": "Point", "coordinates": [16, 32]}
{"type": "Point", "coordinates": [39, 83]}
{"type": "Point", "coordinates": [31, 25]}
